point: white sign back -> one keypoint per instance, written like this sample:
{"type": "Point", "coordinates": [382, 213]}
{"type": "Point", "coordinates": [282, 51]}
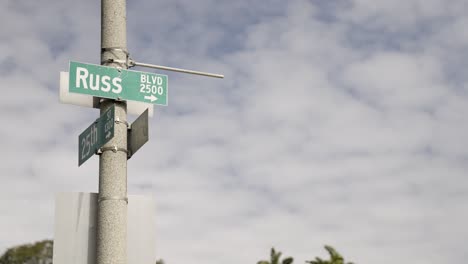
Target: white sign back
{"type": "Point", "coordinates": [75, 229]}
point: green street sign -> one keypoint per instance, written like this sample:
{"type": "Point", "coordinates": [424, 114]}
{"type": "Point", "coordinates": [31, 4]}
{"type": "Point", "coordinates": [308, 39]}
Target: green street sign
{"type": "Point", "coordinates": [96, 135]}
{"type": "Point", "coordinates": [121, 84]}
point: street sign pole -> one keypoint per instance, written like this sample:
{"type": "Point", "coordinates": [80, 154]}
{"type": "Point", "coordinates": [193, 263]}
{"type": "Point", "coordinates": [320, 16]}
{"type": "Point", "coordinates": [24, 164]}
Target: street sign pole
{"type": "Point", "coordinates": [111, 242]}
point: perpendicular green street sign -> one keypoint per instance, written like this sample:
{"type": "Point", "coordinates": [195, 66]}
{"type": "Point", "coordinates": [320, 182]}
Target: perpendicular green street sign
{"type": "Point", "coordinates": [121, 84]}
{"type": "Point", "coordinates": [96, 135]}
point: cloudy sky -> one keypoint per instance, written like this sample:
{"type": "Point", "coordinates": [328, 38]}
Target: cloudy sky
{"type": "Point", "coordinates": [340, 122]}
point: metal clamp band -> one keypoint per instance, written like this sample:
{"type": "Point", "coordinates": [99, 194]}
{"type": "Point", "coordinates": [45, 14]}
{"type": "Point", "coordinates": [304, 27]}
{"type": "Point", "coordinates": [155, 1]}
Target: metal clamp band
{"type": "Point", "coordinates": [117, 49]}
{"type": "Point", "coordinates": [113, 198]}
{"type": "Point", "coordinates": [118, 121]}
{"type": "Point", "coordinates": [113, 149]}
{"type": "Point", "coordinates": [123, 64]}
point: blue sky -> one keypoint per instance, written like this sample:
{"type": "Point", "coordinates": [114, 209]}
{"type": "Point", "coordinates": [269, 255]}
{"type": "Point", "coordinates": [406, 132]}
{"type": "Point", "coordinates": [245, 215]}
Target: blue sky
{"type": "Point", "coordinates": [338, 122]}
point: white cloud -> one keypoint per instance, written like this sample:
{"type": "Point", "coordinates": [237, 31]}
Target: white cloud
{"type": "Point", "coordinates": [397, 81]}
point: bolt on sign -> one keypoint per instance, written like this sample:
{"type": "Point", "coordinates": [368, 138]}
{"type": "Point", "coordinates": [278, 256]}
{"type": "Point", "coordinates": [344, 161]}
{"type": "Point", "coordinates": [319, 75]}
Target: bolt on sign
{"type": "Point", "coordinates": [120, 84]}
{"type": "Point", "coordinates": [96, 135]}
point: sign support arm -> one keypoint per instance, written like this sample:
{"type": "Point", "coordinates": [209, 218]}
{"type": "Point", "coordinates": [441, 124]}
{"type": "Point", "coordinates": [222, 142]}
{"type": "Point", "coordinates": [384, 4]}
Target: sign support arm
{"type": "Point", "coordinates": [134, 63]}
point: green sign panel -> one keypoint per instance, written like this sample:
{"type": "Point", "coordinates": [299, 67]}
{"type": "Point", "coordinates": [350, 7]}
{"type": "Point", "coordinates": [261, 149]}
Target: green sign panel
{"type": "Point", "coordinates": [96, 135]}
{"type": "Point", "coordinates": [121, 84]}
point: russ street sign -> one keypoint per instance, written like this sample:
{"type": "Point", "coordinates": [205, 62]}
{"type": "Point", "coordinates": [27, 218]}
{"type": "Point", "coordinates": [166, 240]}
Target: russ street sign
{"type": "Point", "coordinates": [65, 97]}
{"type": "Point", "coordinates": [109, 82]}
{"type": "Point", "coordinates": [96, 135]}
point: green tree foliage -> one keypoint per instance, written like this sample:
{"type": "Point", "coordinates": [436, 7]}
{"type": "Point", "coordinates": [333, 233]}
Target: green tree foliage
{"type": "Point", "coordinates": [38, 253]}
{"type": "Point", "coordinates": [335, 258]}
{"type": "Point", "coordinates": [275, 258]}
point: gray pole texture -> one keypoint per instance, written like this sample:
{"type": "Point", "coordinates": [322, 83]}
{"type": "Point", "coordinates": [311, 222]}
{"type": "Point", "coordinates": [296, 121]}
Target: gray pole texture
{"type": "Point", "coordinates": [111, 240]}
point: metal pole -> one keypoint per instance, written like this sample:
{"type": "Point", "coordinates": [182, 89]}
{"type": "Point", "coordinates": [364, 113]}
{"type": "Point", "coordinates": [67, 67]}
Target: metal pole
{"type": "Point", "coordinates": [111, 240]}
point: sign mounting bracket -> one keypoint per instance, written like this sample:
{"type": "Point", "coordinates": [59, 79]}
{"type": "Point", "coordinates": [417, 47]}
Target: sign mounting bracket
{"type": "Point", "coordinates": [133, 63]}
